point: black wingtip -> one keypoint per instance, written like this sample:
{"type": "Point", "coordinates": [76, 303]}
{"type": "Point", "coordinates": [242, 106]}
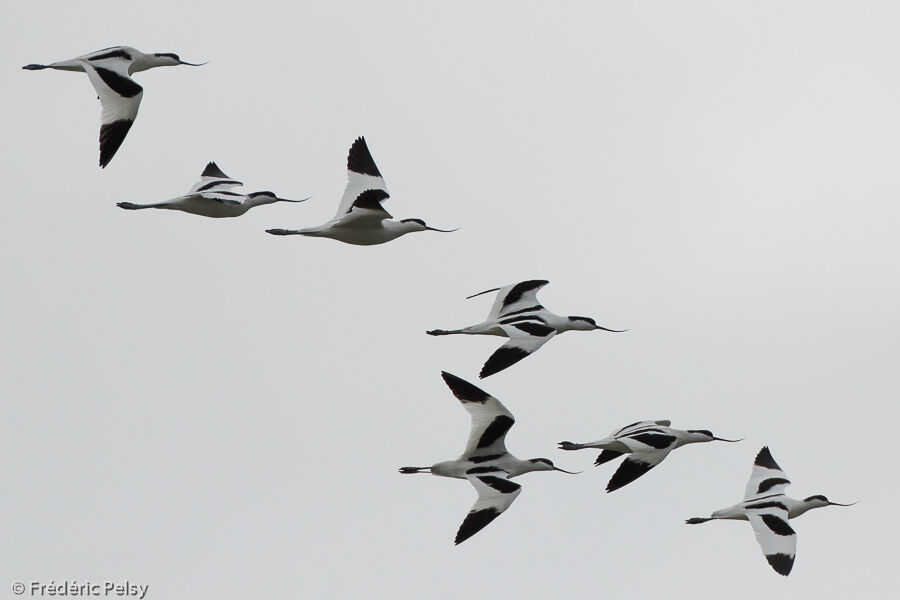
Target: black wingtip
{"type": "Point", "coordinates": [463, 390]}
{"type": "Point", "coordinates": [764, 459]}
{"type": "Point", "coordinates": [359, 159]}
{"type": "Point", "coordinates": [475, 521]}
{"type": "Point", "coordinates": [213, 170]}
{"type": "Point", "coordinates": [501, 359]}
{"type": "Point", "coordinates": [782, 563]}
{"type": "Point", "coordinates": [606, 456]}
{"type": "Point", "coordinates": [111, 137]}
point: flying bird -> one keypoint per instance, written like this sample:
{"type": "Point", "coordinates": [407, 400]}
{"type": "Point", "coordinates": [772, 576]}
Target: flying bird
{"type": "Point", "coordinates": [485, 462]}
{"type": "Point", "coordinates": [646, 442]}
{"type": "Point", "coordinates": [212, 197]}
{"type": "Point", "coordinates": [120, 96]}
{"type": "Point", "coordinates": [768, 509]}
{"type": "Point", "coordinates": [518, 315]}
{"type": "Point", "coordinates": [360, 218]}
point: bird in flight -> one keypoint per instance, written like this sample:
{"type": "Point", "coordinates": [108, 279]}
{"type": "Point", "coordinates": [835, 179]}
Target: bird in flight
{"type": "Point", "coordinates": [120, 96]}
{"type": "Point", "coordinates": [646, 443]}
{"type": "Point", "coordinates": [360, 218]}
{"type": "Point", "coordinates": [485, 462]}
{"type": "Point", "coordinates": [518, 315]}
{"type": "Point", "coordinates": [212, 197]}
{"type": "Point", "coordinates": [768, 509]}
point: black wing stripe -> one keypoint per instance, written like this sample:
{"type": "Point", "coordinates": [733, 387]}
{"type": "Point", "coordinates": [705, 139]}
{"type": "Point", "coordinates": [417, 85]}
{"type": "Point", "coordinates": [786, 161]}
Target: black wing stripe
{"type": "Point", "coordinates": [655, 440]}
{"type": "Point", "coordinates": [123, 86]}
{"type": "Point", "coordinates": [496, 430]}
{"type": "Point", "coordinates": [762, 505]}
{"type": "Point", "coordinates": [535, 329]}
{"type": "Point", "coordinates": [213, 184]}
{"type": "Point", "coordinates": [114, 54]}
{"type": "Point", "coordinates": [502, 485]}
{"type": "Point", "coordinates": [778, 525]}
{"type": "Point", "coordinates": [359, 159]}
{"type": "Point", "coordinates": [768, 484]}
{"type": "Point", "coordinates": [524, 310]}
{"type": "Point", "coordinates": [370, 199]}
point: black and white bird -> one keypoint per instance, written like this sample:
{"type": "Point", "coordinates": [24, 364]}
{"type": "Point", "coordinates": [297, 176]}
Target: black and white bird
{"type": "Point", "coordinates": [768, 509]}
{"type": "Point", "coordinates": [120, 96]}
{"type": "Point", "coordinates": [485, 462]}
{"type": "Point", "coordinates": [212, 197]}
{"type": "Point", "coordinates": [360, 218]}
{"type": "Point", "coordinates": [647, 443]}
{"type": "Point", "coordinates": [518, 315]}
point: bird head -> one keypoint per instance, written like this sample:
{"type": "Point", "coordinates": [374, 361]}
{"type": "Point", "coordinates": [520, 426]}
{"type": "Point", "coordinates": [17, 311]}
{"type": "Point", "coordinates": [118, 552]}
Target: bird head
{"type": "Point", "coordinates": [419, 225]}
{"type": "Point", "coordinates": [545, 464]}
{"type": "Point", "coordinates": [169, 59]}
{"type": "Point", "coordinates": [588, 324]}
{"type": "Point", "coordinates": [818, 501]}
{"type": "Point", "coordinates": [705, 435]}
{"type": "Point", "coordinates": [267, 197]}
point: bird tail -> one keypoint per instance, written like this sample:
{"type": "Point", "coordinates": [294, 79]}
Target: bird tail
{"type": "Point", "coordinates": [698, 520]}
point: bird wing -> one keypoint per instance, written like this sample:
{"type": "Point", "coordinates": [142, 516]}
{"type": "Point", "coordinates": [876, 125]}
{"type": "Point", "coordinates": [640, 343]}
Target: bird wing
{"type": "Point", "coordinates": [214, 180]}
{"type": "Point", "coordinates": [120, 97]}
{"type": "Point", "coordinates": [366, 189]}
{"type": "Point", "coordinates": [524, 339]}
{"type": "Point", "coordinates": [495, 494]}
{"type": "Point", "coordinates": [513, 298]}
{"type": "Point", "coordinates": [776, 537]}
{"type": "Point", "coordinates": [766, 478]}
{"type": "Point", "coordinates": [634, 466]}
{"type": "Point", "coordinates": [490, 419]}
{"type": "Point", "coordinates": [639, 426]}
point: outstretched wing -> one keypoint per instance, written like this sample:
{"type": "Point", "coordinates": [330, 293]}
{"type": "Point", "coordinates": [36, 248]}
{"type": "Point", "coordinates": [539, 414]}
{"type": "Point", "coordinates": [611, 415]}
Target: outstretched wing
{"type": "Point", "coordinates": [524, 339]}
{"type": "Point", "coordinates": [635, 466]}
{"type": "Point", "coordinates": [120, 97]}
{"type": "Point", "coordinates": [514, 298]}
{"type": "Point", "coordinates": [495, 494]}
{"type": "Point", "coordinates": [490, 419]}
{"type": "Point", "coordinates": [766, 478]}
{"type": "Point", "coordinates": [776, 538]}
{"type": "Point", "coordinates": [214, 180]}
{"type": "Point", "coordinates": [366, 189]}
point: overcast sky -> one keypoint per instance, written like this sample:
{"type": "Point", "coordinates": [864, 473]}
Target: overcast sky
{"type": "Point", "coordinates": [193, 404]}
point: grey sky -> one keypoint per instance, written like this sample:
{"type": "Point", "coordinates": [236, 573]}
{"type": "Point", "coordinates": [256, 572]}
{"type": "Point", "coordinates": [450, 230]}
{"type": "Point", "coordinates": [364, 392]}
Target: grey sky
{"type": "Point", "coordinates": [193, 404]}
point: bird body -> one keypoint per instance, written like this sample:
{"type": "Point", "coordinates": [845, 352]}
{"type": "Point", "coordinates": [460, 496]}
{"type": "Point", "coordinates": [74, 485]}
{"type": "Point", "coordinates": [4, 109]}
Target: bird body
{"type": "Point", "coordinates": [646, 442]}
{"type": "Point", "coordinates": [212, 197]}
{"type": "Point", "coordinates": [517, 314]}
{"type": "Point", "coordinates": [360, 219]}
{"type": "Point", "coordinates": [768, 510]}
{"type": "Point", "coordinates": [109, 71]}
{"type": "Point", "coordinates": [485, 462]}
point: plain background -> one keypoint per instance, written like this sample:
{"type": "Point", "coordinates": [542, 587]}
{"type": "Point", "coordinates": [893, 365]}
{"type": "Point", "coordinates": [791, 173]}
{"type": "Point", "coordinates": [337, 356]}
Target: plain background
{"type": "Point", "coordinates": [195, 405]}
